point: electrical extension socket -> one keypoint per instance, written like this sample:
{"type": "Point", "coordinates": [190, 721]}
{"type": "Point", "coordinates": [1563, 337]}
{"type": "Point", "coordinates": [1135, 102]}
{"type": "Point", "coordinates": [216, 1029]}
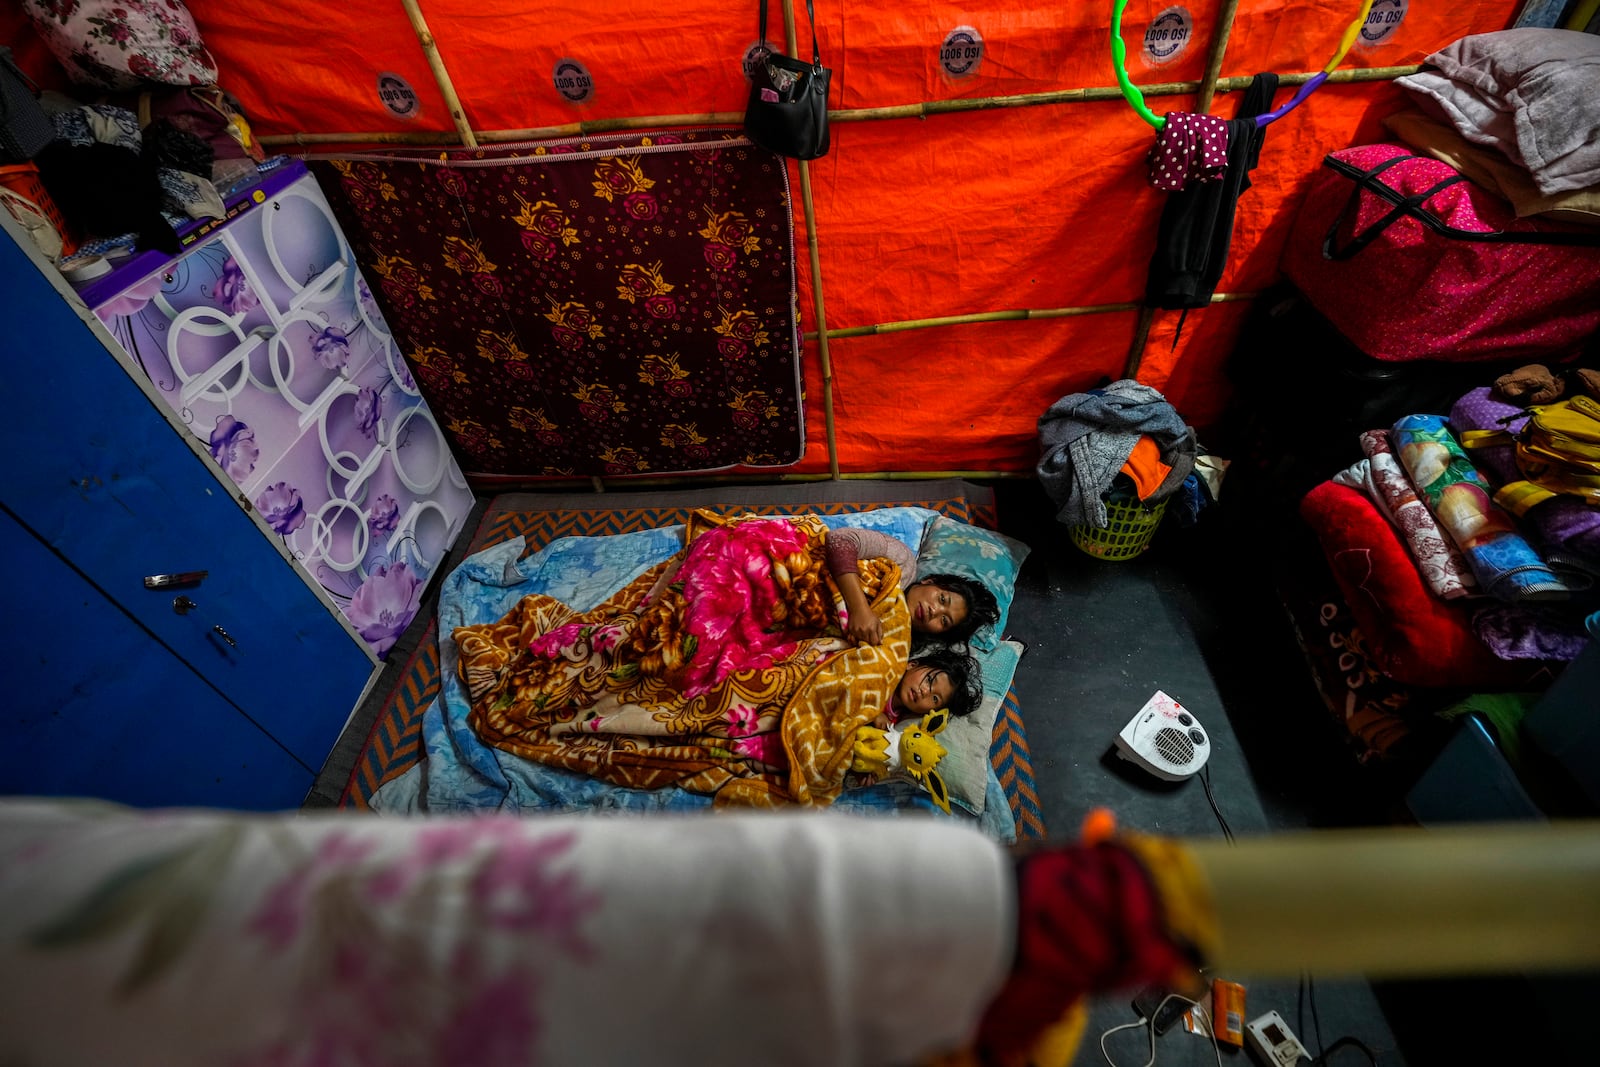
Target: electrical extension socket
{"type": "Point", "coordinates": [1272, 1043]}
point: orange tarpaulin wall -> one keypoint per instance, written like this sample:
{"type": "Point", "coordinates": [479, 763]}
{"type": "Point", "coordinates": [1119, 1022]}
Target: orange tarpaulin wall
{"type": "Point", "coordinates": [978, 211]}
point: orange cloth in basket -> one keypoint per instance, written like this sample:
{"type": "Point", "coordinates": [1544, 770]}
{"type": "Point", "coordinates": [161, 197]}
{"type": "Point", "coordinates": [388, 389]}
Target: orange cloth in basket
{"type": "Point", "coordinates": [1144, 466]}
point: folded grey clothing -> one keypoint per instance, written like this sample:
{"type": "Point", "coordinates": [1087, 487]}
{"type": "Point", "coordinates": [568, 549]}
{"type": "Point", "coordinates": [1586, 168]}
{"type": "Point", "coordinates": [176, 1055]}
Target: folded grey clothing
{"type": "Point", "coordinates": [1085, 438]}
{"type": "Point", "coordinates": [1529, 93]}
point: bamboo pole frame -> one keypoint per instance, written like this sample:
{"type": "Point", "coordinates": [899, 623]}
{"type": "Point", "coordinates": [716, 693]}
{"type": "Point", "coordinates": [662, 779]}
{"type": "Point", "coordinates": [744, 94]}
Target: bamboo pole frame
{"type": "Point", "coordinates": [923, 110]}
{"type": "Point", "coordinates": [441, 76]}
{"type": "Point", "coordinates": [1408, 902]}
{"type": "Point", "coordinates": [1008, 315]}
{"type": "Point", "coordinates": [810, 212]}
{"type": "Point", "coordinates": [1206, 88]}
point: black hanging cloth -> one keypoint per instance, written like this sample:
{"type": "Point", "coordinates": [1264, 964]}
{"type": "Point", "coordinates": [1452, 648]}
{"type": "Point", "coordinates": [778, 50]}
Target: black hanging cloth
{"type": "Point", "coordinates": [1197, 223]}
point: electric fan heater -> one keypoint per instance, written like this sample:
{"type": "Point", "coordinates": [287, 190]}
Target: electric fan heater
{"type": "Point", "coordinates": [1165, 740]}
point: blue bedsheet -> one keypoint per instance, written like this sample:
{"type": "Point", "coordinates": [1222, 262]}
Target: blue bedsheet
{"type": "Point", "coordinates": [460, 773]}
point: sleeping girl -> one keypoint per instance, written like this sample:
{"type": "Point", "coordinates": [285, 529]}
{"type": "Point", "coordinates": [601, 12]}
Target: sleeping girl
{"type": "Point", "coordinates": [946, 607]}
{"type": "Point", "coordinates": [724, 670]}
{"type": "Point", "coordinates": [936, 678]}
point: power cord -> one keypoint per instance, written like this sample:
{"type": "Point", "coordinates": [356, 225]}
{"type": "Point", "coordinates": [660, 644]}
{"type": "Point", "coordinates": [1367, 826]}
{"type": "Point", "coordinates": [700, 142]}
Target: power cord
{"type": "Point", "coordinates": [1205, 1017]}
{"type": "Point", "coordinates": [1308, 991]}
{"type": "Point", "coordinates": [1204, 1012]}
{"type": "Point", "coordinates": [1211, 798]}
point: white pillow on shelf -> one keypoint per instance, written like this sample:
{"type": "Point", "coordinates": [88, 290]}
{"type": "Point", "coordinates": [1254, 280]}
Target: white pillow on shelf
{"type": "Point", "coordinates": [123, 44]}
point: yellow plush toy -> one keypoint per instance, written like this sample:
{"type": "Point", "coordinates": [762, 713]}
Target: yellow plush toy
{"type": "Point", "coordinates": [908, 750]}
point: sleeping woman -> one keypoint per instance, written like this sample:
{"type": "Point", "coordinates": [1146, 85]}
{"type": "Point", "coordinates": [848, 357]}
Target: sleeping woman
{"type": "Point", "coordinates": [944, 607]}
{"type": "Point", "coordinates": [723, 670]}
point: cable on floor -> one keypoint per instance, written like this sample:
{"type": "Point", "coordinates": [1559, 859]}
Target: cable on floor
{"type": "Point", "coordinates": [1308, 986]}
{"type": "Point", "coordinates": [1211, 798]}
{"type": "Point", "coordinates": [1205, 1018]}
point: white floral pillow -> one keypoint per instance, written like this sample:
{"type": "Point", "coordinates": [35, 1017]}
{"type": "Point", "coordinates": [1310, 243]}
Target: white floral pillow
{"type": "Point", "coordinates": [124, 44]}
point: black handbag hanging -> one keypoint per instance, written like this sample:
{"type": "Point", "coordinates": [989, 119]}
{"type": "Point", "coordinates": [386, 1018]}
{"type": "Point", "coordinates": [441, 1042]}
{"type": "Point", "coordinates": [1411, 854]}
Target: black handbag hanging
{"type": "Point", "coordinates": [788, 108]}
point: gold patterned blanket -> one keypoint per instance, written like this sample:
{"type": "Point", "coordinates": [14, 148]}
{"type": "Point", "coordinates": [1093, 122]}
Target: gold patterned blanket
{"type": "Point", "coordinates": [722, 670]}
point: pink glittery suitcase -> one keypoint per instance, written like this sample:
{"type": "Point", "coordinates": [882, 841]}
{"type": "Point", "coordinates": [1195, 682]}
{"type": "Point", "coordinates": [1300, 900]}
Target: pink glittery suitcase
{"type": "Point", "coordinates": [1410, 260]}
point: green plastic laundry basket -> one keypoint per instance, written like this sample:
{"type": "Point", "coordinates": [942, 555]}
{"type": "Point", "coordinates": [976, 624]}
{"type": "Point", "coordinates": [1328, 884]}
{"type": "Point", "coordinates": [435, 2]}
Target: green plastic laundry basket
{"type": "Point", "coordinates": [1130, 528]}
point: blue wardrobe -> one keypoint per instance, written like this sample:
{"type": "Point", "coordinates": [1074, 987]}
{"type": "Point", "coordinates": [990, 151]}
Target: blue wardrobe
{"type": "Point", "coordinates": [225, 690]}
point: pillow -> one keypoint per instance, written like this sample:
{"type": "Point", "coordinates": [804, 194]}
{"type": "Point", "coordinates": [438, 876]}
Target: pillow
{"type": "Point", "coordinates": [122, 44]}
{"type": "Point", "coordinates": [1529, 92]}
{"type": "Point", "coordinates": [951, 547]}
{"type": "Point", "coordinates": [1478, 118]}
{"type": "Point", "coordinates": [1493, 171]}
{"type": "Point", "coordinates": [967, 740]}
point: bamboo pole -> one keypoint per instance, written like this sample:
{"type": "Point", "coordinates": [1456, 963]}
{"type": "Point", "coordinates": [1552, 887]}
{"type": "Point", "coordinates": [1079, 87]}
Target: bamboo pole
{"type": "Point", "coordinates": [864, 114]}
{"type": "Point", "coordinates": [502, 484]}
{"type": "Point", "coordinates": [447, 88]}
{"type": "Point", "coordinates": [1219, 47]}
{"type": "Point", "coordinates": [1141, 334]}
{"type": "Point", "coordinates": [587, 127]}
{"type": "Point", "coordinates": [822, 322]}
{"type": "Point", "coordinates": [826, 360]}
{"type": "Point", "coordinates": [1103, 93]}
{"type": "Point", "coordinates": [1408, 902]}
{"type": "Point", "coordinates": [1008, 315]}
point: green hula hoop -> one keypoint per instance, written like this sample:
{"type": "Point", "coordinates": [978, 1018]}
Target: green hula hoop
{"type": "Point", "coordinates": [1119, 63]}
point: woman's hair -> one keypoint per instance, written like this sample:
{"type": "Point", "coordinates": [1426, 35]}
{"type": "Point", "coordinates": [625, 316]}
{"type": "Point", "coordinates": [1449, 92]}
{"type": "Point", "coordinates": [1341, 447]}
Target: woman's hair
{"type": "Point", "coordinates": [982, 608]}
{"type": "Point", "coordinates": [966, 677]}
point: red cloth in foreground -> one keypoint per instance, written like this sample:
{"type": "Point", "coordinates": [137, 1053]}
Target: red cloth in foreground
{"type": "Point", "coordinates": [1089, 919]}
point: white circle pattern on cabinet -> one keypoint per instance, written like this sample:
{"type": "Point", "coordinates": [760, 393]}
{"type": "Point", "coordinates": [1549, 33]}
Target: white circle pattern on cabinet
{"type": "Point", "coordinates": [281, 363]}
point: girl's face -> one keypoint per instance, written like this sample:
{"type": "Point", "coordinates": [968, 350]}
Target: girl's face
{"type": "Point", "coordinates": [921, 690]}
{"type": "Point", "coordinates": [934, 610]}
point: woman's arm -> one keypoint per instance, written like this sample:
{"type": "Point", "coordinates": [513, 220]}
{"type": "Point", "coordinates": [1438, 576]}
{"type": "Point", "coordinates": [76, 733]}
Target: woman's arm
{"type": "Point", "coordinates": [846, 548]}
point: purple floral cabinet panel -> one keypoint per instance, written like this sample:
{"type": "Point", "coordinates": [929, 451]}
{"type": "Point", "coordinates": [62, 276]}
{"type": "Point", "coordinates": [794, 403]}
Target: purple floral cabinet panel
{"type": "Point", "coordinates": [265, 342]}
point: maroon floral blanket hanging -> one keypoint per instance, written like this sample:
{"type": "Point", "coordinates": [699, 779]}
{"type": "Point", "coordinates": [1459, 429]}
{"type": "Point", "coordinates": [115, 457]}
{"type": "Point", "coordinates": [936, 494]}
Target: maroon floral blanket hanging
{"type": "Point", "coordinates": [609, 306]}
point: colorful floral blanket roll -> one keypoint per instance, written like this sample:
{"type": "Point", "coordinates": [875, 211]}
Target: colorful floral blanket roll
{"type": "Point", "coordinates": [1460, 499]}
{"type": "Point", "coordinates": [1438, 559]}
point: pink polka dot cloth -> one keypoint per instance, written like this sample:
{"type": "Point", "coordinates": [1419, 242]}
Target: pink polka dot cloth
{"type": "Point", "coordinates": [1189, 148]}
